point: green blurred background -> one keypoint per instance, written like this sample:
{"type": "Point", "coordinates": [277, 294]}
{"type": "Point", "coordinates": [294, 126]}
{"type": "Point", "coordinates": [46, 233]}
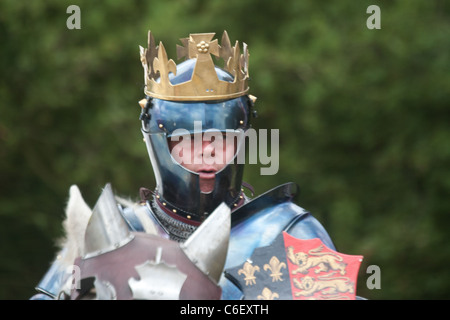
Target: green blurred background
{"type": "Point", "coordinates": [363, 117]}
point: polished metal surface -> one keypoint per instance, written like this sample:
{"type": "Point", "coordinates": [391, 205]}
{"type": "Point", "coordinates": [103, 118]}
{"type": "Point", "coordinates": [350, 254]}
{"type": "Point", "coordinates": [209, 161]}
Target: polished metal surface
{"type": "Point", "coordinates": [207, 247]}
{"type": "Point", "coordinates": [158, 280]}
{"type": "Point", "coordinates": [203, 83]}
{"type": "Point", "coordinates": [177, 186]}
{"type": "Point", "coordinates": [106, 230]}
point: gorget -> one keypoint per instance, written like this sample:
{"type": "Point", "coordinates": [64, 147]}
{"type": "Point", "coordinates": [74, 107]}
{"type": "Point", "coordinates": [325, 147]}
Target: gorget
{"type": "Point", "coordinates": [177, 230]}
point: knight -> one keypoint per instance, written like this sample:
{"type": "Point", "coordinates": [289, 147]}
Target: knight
{"type": "Point", "coordinates": [194, 119]}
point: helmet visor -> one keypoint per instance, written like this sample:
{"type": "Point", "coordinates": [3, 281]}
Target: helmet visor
{"type": "Point", "coordinates": [180, 118]}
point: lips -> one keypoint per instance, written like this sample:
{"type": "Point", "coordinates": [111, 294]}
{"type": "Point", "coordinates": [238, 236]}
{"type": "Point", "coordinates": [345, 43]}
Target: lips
{"type": "Point", "coordinates": [207, 173]}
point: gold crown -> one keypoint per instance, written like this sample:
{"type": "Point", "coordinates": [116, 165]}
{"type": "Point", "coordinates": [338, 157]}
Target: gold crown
{"type": "Point", "coordinates": [204, 83]}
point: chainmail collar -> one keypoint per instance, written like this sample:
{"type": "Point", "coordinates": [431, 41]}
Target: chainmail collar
{"type": "Point", "coordinates": [173, 224]}
{"type": "Point", "coordinates": [176, 229]}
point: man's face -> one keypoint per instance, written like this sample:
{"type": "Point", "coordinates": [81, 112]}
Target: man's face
{"type": "Point", "coordinates": [205, 154]}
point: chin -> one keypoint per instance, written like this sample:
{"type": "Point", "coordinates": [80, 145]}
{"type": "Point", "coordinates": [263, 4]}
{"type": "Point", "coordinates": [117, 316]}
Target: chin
{"type": "Point", "coordinates": [207, 186]}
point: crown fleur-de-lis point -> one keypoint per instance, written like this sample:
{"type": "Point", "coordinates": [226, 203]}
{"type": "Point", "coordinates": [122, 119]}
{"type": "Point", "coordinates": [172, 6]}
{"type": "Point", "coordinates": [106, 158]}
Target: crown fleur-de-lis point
{"type": "Point", "coordinates": [143, 53]}
{"type": "Point", "coordinates": [164, 66]}
{"type": "Point", "coordinates": [244, 61]}
{"type": "Point", "coordinates": [151, 54]}
{"type": "Point", "coordinates": [225, 50]}
{"type": "Point", "coordinates": [234, 63]}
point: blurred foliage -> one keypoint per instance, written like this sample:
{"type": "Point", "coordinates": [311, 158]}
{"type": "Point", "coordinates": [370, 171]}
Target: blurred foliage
{"type": "Point", "coordinates": [363, 118]}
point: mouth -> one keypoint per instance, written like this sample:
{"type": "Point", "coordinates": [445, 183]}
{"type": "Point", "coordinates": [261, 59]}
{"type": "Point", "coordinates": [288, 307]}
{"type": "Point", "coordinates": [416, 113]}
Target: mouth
{"type": "Point", "coordinates": [207, 174]}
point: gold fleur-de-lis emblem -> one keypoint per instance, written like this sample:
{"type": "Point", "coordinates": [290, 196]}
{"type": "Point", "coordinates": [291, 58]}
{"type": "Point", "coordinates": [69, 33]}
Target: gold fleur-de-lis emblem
{"type": "Point", "coordinates": [275, 266]}
{"type": "Point", "coordinates": [249, 271]}
{"type": "Point", "coordinates": [267, 294]}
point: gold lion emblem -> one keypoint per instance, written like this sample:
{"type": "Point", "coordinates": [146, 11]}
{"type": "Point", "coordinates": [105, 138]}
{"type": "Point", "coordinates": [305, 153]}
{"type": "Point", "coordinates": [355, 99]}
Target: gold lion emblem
{"type": "Point", "coordinates": [315, 258]}
{"type": "Point", "coordinates": [325, 285]}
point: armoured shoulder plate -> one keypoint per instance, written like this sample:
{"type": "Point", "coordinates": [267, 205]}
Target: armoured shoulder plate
{"type": "Point", "coordinates": [53, 280]}
{"type": "Point", "coordinates": [260, 221]}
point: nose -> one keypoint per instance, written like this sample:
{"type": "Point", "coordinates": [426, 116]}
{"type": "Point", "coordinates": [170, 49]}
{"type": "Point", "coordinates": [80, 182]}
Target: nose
{"type": "Point", "coordinates": [208, 148]}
